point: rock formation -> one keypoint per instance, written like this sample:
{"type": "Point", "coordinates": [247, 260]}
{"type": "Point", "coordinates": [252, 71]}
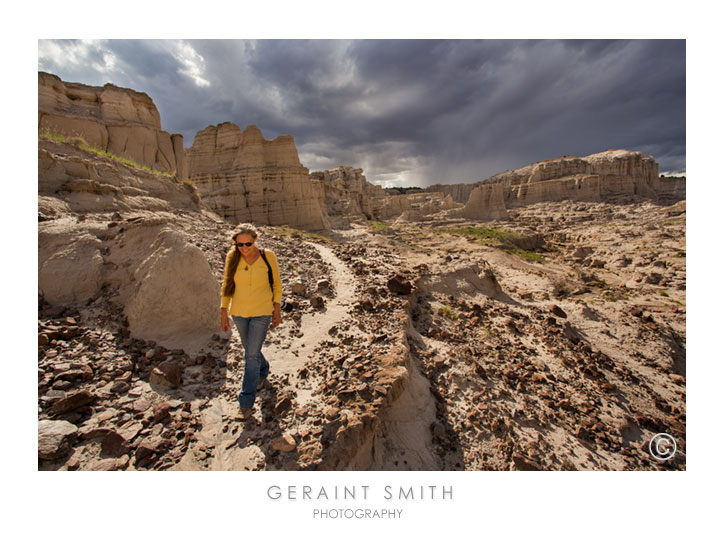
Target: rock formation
{"type": "Point", "coordinates": [598, 177]}
{"type": "Point", "coordinates": [620, 173]}
{"type": "Point", "coordinates": [83, 183]}
{"type": "Point", "coordinates": [486, 203]}
{"type": "Point", "coordinates": [348, 195]}
{"type": "Point", "coordinates": [118, 120]}
{"type": "Point", "coordinates": [460, 192]}
{"type": "Point", "coordinates": [672, 189]}
{"type": "Point", "coordinates": [394, 205]}
{"type": "Point", "coordinates": [612, 174]}
{"type": "Point", "coordinates": [107, 227]}
{"type": "Point", "coordinates": [414, 206]}
{"type": "Point", "coordinates": [581, 187]}
{"type": "Point", "coordinates": [245, 178]}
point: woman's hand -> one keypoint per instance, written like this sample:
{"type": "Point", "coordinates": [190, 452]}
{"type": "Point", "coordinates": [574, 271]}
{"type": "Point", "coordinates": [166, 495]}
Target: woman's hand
{"type": "Point", "coordinates": [276, 316]}
{"type": "Point", "coordinates": [225, 325]}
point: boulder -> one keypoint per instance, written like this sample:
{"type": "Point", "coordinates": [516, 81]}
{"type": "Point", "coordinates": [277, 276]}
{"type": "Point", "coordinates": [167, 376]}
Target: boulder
{"type": "Point", "coordinates": [172, 295]}
{"type": "Point", "coordinates": [55, 438]}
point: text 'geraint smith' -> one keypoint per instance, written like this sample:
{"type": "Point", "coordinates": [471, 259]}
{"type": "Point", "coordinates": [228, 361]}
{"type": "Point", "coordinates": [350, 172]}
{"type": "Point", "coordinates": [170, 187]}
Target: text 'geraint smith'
{"type": "Point", "coordinates": [397, 493]}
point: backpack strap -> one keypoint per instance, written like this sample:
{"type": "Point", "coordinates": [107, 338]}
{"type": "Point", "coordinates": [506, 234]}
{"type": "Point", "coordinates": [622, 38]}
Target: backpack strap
{"type": "Point", "coordinates": [270, 273]}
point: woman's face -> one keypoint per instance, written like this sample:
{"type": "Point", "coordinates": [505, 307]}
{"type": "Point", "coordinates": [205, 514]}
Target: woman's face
{"type": "Point", "coordinates": [241, 243]}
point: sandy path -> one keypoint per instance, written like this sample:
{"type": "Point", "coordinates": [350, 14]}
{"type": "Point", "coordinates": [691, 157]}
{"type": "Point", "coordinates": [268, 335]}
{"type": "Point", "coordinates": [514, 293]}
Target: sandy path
{"type": "Point", "coordinates": [315, 326]}
{"type": "Point", "coordinates": [219, 432]}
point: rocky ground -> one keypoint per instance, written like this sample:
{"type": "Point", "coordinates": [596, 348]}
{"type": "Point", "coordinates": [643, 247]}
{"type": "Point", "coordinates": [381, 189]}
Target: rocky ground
{"type": "Point", "coordinates": [408, 347]}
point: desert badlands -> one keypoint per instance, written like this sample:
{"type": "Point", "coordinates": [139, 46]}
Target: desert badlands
{"type": "Point", "coordinates": [535, 320]}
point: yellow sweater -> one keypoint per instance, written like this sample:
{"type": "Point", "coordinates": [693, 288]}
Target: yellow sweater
{"type": "Point", "coordinates": [252, 295]}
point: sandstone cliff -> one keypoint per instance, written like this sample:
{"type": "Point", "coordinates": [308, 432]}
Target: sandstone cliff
{"type": "Point", "coordinates": [118, 120]}
{"type": "Point", "coordinates": [348, 195]}
{"type": "Point", "coordinates": [459, 192]}
{"type": "Point", "coordinates": [609, 175]}
{"type": "Point", "coordinates": [672, 189]}
{"type": "Point", "coordinates": [620, 173]}
{"type": "Point", "coordinates": [245, 178]}
{"type": "Point", "coordinates": [486, 203]}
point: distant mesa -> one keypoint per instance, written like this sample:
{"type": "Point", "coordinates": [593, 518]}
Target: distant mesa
{"type": "Point", "coordinates": [612, 175]}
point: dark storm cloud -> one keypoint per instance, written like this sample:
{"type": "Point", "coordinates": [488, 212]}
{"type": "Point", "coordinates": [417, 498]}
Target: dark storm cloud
{"type": "Point", "coordinates": [411, 111]}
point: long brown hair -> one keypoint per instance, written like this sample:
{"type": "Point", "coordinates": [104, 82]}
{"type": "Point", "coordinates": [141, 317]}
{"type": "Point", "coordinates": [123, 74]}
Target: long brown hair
{"type": "Point", "coordinates": [234, 255]}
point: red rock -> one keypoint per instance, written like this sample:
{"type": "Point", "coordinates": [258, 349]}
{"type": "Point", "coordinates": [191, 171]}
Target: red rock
{"type": "Point", "coordinates": [678, 379]}
{"type": "Point", "coordinates": [114, 445]}
{"type": "Point", "coordinates": [285, 443]}
{"type": "Point", "coordinates": [148, 448]}
{"type": "Point", "coordinates": [523, 463]}
{"type": "Point", "coordinates": [55, 438]}
{"type": "Point", "coordinates": [283, 405]}
{"type": "Point", "coordinates": [74, 401]}
{"type": "Point", "coordinates": [398, 284]}
{"type": "Point", "coordinates": [140, 406]}
{"type": "Point", "coordinates": [103, 465]}
{"type": "Point", "coordinates": [167, 374]}
{"type": "Point", "coordinates": [161, 412]}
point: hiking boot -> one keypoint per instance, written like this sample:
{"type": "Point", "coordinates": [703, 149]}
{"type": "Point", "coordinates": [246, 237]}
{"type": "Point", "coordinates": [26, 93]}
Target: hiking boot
{"type": "Point", "coordinates": [245, 413]}
{"type": "Point", "coordinates": [262, 383]}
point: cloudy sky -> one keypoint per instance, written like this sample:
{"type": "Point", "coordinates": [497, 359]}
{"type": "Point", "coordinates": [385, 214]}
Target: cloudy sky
{"type": "Point", "coordinates": [409, 112]}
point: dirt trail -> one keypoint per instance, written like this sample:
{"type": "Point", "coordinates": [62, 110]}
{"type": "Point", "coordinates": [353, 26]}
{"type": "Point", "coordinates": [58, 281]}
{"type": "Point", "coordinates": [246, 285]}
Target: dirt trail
{"type": "Point", "coordinates": [232, 445]}
{"type": "Point", "coordinates": [289, 356]}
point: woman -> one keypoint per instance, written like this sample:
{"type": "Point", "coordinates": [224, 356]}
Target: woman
{"type": "Point", "coordinates": [255, 297]}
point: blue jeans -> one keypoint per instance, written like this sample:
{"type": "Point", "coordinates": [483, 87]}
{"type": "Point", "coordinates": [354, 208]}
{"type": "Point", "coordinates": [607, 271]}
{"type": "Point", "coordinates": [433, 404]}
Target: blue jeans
{"type": "Point", "coordinates": [252, 332]}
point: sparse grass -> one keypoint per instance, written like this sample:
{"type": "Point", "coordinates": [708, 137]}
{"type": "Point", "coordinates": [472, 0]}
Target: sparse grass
{"type": "Point", "coordinates": [663, 293]}
{"type": "Point", "coordinates": [448, 313]}
{"type": "Point", "coordinates": [80, 143]}
{"type": "Point", "coordinates": [489, 332]}
{"type": "Point", "coordinates": [288, 231]}
{"type": "Point", "coordinates": [377, 225]}
{"type": "Point", "coordinates": [50, 135]}
{"type": "Point", "coordinates": [526, 254]}
{"type": "Point", "coordinates": [499, 238]}
{"type": "Point", "coordinates": [484, 233]}
{"type": "Point", "coordinates": [680, 254]}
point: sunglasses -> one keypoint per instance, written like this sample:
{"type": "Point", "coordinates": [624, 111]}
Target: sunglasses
{"type": "Point", "coordinates": [244, 244]}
